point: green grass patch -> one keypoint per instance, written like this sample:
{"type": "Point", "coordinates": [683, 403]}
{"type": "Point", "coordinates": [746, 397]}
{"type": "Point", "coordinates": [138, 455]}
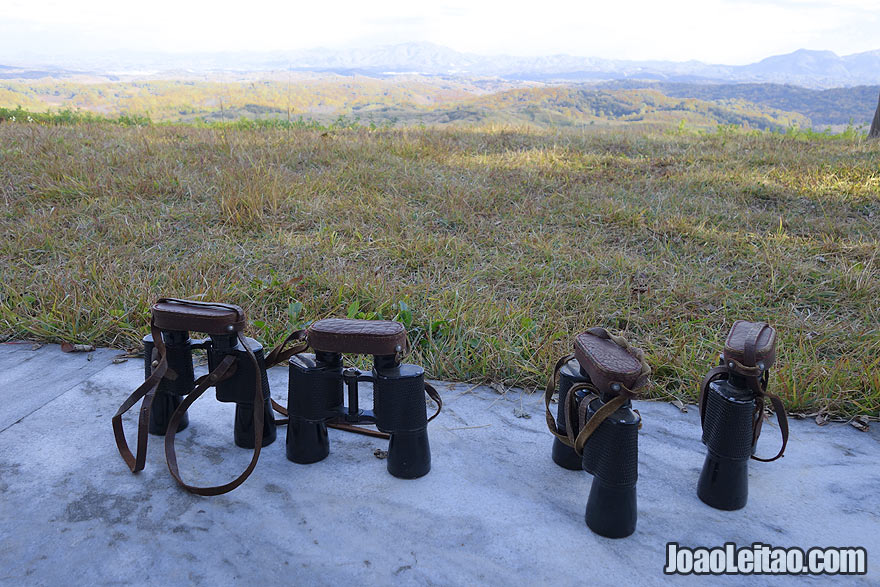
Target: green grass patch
{"type": "Point", "coordinates": [495, 245]}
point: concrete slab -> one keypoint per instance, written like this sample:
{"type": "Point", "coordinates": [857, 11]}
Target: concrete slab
{"type": "Point", "coordinates": [31, 378]}
{"type": "Point", "coordinates": [495, 509]}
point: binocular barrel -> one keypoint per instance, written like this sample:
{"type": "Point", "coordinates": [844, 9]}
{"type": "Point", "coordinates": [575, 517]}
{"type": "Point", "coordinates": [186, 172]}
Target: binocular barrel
{"type": "Point", "coordinates": [611, 455]}
{"type": "Point", "coordinates": [399, 404]}
{"type": "Point", "coordinates": [569, 375]}
{"type": "Point", "coordinates": [316, 397]}
{"type": "Point", "coordinates": [238, 388]}
{"type": "Point", "coordinates": [170, 392]}
{"type": "Point", "coordinates": [728, 434]}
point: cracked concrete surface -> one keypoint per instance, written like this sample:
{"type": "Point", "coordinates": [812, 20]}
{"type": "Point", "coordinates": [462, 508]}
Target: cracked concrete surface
{"type": "Point", "coordinates": [494, 509]}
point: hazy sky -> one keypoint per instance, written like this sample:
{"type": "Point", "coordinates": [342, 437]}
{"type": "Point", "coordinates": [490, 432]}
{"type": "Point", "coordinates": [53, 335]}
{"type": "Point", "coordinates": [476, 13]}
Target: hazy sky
{"type": "Point", "coordinates": [717, 31]}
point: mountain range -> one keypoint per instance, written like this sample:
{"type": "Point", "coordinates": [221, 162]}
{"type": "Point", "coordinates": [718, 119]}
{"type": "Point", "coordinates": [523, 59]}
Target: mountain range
{"type": "Point", "coordinates": [807, 68]}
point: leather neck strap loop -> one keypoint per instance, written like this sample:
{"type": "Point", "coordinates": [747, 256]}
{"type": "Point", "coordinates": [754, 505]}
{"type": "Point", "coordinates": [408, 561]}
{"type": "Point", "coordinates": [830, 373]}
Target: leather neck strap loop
{"type": "Point", "coordinates": [434, 395]}
{"type": "Point", "coordinates": [548, 395]}
{"type": "Point", "coordinates": [279, 355]}
{"type": "Point", "coordinates": [220, 372]}
{"type": "Point", "coordinates": [587, 428]}
{"type": "Point", "coordinates": [147, 391]}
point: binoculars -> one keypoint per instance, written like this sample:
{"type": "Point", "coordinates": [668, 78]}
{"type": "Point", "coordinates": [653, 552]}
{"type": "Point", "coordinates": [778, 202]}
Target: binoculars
{"type": "Point", "coordinates": [238, 388]}
{"type": "Point", "coordinates": [237, 370]}
{"type": "Point", "coordinates": [596, 428]}
{"type": "Point", "coordinates": [731, 412]}
{"type": "Point", "coordinates": [316, 394]}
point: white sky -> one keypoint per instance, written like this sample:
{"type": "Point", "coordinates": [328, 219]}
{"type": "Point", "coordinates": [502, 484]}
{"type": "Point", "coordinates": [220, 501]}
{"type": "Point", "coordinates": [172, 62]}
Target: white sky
{"type": "Point", "coordinates": [715, 31]}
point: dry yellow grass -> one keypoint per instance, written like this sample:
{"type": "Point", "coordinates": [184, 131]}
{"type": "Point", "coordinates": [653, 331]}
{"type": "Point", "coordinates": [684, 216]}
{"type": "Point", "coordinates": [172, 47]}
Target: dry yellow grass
{"type": "Point", "coordinates": [502, 243]}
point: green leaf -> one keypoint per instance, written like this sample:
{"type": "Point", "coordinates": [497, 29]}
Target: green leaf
{"type": "Point", "coordinates": [353, 309]}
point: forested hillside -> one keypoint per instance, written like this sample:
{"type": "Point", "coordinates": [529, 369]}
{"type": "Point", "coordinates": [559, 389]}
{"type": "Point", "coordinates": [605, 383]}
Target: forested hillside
{"type": "Point", "coordinates": [405, 100]}
{"type": "Point", "coordinates": [823, 107]}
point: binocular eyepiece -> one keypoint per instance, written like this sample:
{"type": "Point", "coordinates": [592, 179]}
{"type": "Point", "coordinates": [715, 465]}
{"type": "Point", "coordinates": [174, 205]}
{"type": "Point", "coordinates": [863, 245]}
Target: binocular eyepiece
{"type": "Point", "coordinates": [731, 412]}
{"type": "Point", "coordinates": [596, 428]}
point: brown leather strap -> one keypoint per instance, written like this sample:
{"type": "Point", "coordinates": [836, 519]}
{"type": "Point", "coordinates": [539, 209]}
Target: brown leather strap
{"type": "Point", "coordinates": [337, 425]}
{"type": "Point", "coordinates": [548, 395]}
{"type": "Point", "coordinates": [782, 418]}
{"type": "Point", "coordinates": [220, 372]}
{"type": "Point", "coordinates": [281, 410]}
{"type": "Point", "coordinates": [279, 355]}
{"type": "Point", "coordinates": [434, 395]}
{"type": "Point", "coordinates": [597, 419]}
{"type": "Point", "coordinates": [147, 390]}
{"type": "Point", "coordinates": [572, 407]}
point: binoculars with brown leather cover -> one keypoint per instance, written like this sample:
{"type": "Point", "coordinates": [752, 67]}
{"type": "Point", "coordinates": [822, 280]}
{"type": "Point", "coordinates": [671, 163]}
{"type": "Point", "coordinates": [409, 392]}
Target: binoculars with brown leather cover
{"type": "Point", "coordinates": [318, 385]}
{"type": "Point", "coordinates": [237, 388]}
{"type": "Point", "coordinates": [237, 369]}
{"type": "Point", "coordinates": [732, 410]}
{"type": "Point", "coordinates": [596, 428]}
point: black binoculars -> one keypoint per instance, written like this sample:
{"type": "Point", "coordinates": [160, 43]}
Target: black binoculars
{"type": "Point", "coordinates": [316, 394]}
{"type": "Point", "coordinates": [596, 428]}
{"type": "Point", "coordinates": [237, 370]}
{"type": "Point", "coordinates": [732, 411]}
{"type": "Point", "coordinates": [238, 388]}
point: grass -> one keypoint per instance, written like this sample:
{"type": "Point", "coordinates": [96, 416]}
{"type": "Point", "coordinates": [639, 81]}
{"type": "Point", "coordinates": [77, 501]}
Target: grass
{"type": "Point", "coordinates": [494, 245]}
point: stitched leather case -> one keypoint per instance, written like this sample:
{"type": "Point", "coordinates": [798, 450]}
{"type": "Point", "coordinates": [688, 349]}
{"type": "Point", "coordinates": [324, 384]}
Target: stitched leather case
{"type": "Point", "coordinates": [742, 330]}
{"type": "Point", "coordinates": [210, 318]}
{"type": "Point", "coordinates": [606, 363]}
{"type": "Point", "coordinates": [365, 337]}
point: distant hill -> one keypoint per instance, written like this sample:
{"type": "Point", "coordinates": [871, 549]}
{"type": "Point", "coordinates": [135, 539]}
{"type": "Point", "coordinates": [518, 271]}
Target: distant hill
{"type": "Point", "coordinates": [836, 106]}
{"type": "Point", "coordinates": [580, 106]}
{"type": "Point", "coordinates": [18, 73]}
{"type": "Point", "coordinates": [808, 68]}
{"type": "Point", "coordinates": [400, 100]}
